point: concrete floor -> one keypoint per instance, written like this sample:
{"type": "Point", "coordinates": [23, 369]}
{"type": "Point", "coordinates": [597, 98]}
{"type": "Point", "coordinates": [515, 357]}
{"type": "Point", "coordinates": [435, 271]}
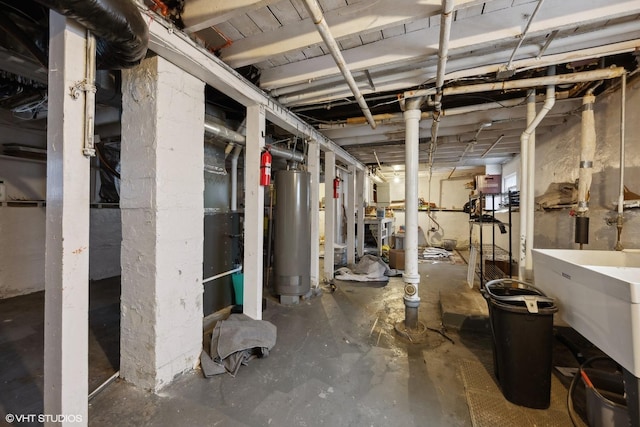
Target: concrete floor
{"type": "Point", "coordinates": [337, 362]}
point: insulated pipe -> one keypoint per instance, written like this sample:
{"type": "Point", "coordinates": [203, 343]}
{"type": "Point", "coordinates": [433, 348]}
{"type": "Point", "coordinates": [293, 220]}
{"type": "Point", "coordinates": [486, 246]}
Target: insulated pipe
{"type": "Point", "coordinates": [411, 276]}
{"type": "Point", "coordinates": [623, 108]}
{"type": "Point", "coordinates": [527, 171]}
{"type": "Point", "coordinates": [585, 76]}
{"type": "Point", "coordinates": [587, 152]}
{"type": "Point", "coordinates": [323, 28]}
{"type": "Point", "coordinates": [122, 35]}
{"type": "Point", "coordinates": [234, 177]}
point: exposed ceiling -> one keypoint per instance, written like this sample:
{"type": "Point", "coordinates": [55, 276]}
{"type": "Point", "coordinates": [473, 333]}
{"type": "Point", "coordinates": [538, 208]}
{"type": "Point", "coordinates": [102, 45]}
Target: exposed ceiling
{"type": "Point", "coordinates": [391, 47]}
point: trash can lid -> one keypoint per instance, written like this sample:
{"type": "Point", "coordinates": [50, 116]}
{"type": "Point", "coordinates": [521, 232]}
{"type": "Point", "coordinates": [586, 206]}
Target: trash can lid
{"type": "Point", "coordinates": [528, 294]}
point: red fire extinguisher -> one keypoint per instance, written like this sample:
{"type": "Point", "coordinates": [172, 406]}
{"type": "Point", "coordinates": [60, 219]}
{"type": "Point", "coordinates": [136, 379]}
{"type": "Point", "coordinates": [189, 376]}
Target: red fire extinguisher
{"type": "Point", "coordinates": [265, 168]}
{"type": "Point", "coordinates": [336, 187]}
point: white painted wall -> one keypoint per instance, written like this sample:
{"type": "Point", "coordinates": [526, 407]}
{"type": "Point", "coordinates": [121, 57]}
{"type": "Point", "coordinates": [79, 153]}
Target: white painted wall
{"type": "Point", "coordinates": [557, 160]}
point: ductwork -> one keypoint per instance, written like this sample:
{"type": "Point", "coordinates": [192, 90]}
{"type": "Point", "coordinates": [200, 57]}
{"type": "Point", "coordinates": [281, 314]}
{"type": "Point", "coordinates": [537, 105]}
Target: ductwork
{"type": "Point", "coordinates": [121, 34]}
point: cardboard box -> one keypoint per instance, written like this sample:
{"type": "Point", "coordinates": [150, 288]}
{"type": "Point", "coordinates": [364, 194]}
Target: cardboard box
{"type": "Point", "coordinates": [396, 259]}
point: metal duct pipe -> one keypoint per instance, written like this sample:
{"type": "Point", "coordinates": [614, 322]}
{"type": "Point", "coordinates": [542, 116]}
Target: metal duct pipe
{"type": "Point", "coordinates": [323, 28]}
{"type": "Point", "coordinates": [527, 166]}
{"type": "Point", "coordinates": [234, 177]}
{"type": "Point", "coordinates": [623, 109]}
{"type": "Point", "coordinates": [217, 130]}
{"type": "Point", "coordinates": [122, 35]}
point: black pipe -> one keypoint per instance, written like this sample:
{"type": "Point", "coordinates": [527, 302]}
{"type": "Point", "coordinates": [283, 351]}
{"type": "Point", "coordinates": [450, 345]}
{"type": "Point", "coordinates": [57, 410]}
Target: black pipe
{"type": "Point", "coordinates": [121, 34]}
{"type": "Point", "coordinates": [582, 230]}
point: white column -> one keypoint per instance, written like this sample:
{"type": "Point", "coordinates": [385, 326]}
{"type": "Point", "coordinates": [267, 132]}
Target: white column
{"type": "Point", "coordinates": [329, 213]}
{"type": "Point", "coordinates": [162, 207]}
{"type": "Point", "coordinates": [360, 202]}
{"type": "Point", "coordinates": [314, 201]}
{"type": "Point", "coordinates": [67, 230]}
{"type": "Point", "coordinates": [411, 276]}
{"type": "Point", "coordinates": [253, 213]}
{"type": "Point", "coordinates": [351, 219]}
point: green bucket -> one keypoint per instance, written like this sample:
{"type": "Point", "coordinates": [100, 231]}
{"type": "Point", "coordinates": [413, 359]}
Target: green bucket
{"type": "Point", "coordinates": [238, 287]}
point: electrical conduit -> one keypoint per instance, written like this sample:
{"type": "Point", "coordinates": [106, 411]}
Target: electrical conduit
{"type": "Point", "coordinates": [623, 109]}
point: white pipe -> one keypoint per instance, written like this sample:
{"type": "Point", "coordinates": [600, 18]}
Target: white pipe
{"type": "Point", "coordinates": [234, 177]}
{"type": "Point", "coordinates": [104, 385]}
{"type": "Point", "coordinates": [411, 276]}
{"type": "Point", "coordinates": [587, 152]}
{"type": "Point", "coordinates": [90, 96]}
{"type": "Point", "coordinates": [527, 181]}
{"type": "Point", "coordinates": [217, 276]}
{"type": "Point", "coordinates": [623, 109]}
{"type": "Point", "coordinates": [323, 28]}
{"type": "Point", "coordinates": [443, 51]}
{"type": "Point", "coordinates": [524, 33]}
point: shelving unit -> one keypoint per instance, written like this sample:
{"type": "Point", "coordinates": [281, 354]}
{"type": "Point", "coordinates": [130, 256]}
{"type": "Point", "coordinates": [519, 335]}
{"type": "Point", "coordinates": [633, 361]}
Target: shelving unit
{"type": "Point", "coordinates": [381, 229]}
{"type": "Point", "coordinates": [482, 252]}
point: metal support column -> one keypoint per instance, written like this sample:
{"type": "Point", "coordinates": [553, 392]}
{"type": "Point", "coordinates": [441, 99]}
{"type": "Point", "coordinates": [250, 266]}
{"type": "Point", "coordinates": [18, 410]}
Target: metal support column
{"type": "Point", "coordinates": [351, 211]}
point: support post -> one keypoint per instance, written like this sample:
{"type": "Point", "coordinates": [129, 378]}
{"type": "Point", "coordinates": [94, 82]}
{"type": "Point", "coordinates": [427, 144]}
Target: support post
{"type": "Point", "coordinates": [254, 213]}
{"type": "Point", "coordinates": [351, 219]}
{"type": "Point", "coordinates": [329, 213]}
{"type": "Point", "coordinates": [411, 276]}
{"type": "Point", "coordinates": [67, 229]}
{"type": "Point", "coordinates": [360, 202]}
{"type": "Point", "coordinates": [314, 201]}
{"type": "Point", "coordinates": [162, 209]}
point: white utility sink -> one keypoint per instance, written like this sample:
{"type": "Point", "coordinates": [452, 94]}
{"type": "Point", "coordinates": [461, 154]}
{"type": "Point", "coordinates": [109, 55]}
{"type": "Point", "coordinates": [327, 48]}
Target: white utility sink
{"type": "Point", "coordinates": [598, 294]}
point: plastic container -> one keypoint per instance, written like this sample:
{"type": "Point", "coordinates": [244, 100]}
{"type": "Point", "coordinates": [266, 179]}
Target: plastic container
{"type": "Point", "coordinates": [521, 319]}
{"type": "Point", "coordinates": [605, 401]}
{"type": "Point", "coordinates": [238, 287]}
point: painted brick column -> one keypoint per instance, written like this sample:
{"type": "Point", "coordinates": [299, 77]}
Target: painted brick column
{"type": "Point", "coordinates": [329, 214]}
{"type": "Point", "coordinates": [162, 223]}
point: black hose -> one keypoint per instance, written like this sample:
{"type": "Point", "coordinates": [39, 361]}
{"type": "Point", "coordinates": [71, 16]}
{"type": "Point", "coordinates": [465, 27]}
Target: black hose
{"type": "Point", "coordinates": [570, 409]}
{"type": "Point", "coordinates": [121, 34]}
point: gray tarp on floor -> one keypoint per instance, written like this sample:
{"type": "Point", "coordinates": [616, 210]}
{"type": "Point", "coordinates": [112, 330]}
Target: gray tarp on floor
{"type": "Point", "coordinates": [370, 269]}
{"type": "Point", "coordinates": [234, 342]}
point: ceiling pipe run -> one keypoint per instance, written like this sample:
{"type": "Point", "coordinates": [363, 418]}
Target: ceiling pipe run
{"type": "Point", "coordinates": [323, 28]}
{"type": "Point", "coordinates": [585, 76]}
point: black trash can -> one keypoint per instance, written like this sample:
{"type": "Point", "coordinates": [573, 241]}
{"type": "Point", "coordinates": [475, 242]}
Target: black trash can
{"type": "Point", "coordinates": [521, 318]}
